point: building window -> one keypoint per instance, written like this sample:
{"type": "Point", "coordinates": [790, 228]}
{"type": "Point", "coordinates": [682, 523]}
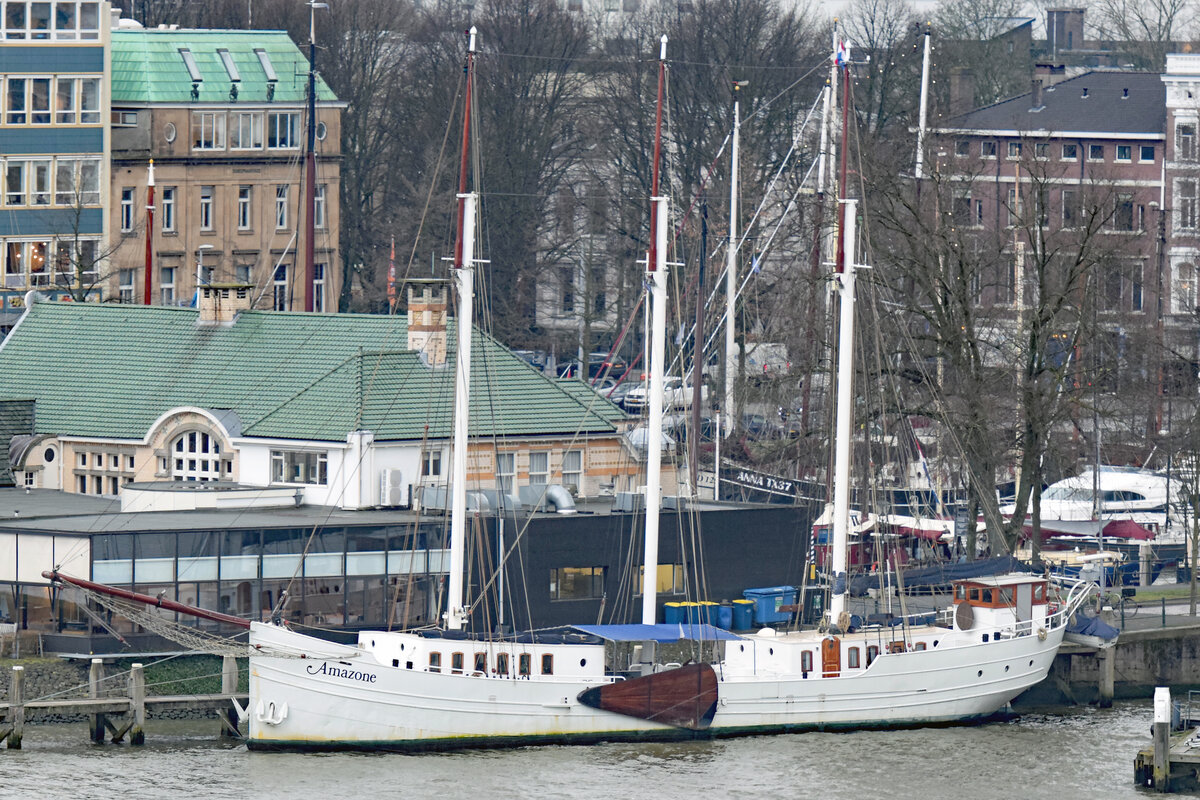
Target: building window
{"type": "Point", "coordinates": [1012, 207]}
{"type": "Point", "coordinates": [206, 208]}
{"type": "Point", "coordinates": [89, 101]}
{"type": "Point", "coordinates": [197, 457]}
{"type": "Point", "coordinates": [1070, 152]}
{"type": "Point", "coordinates": [987, 149]}
{"type": "Point", "coordinates": [125, 286]}
{"type": "Point", "coordinates": [208, 130]}
{"type": "Point", "coordinates": [168, 209]}
{"type": "Point", "coordinates": [64, 104]}
{"type": "Point", "coordinates": [14, 183]}
{"type": "Point", "coordinates": [280, 288]}
{"type": "Point", "coordinates": [318, 287]}
{"type": "Point", "coordinates": [567, 278]}
{"type": "Point", "coordinates": [576, 583]}
{"type": "Point", "coordinates": [16, 108]}
{"type": "Point", "coordinates": [539, 469]}
{"type": "Point", "coordinates": [1185, 141]}
{"type": "Point", "coordinates": [670, 580]}
{"type": "Point", "coordinates": [1183, 289]}
{"type": "Point", "coordinates": [1185, 203]}
{"type": "Point", "coordinates": [243, 212]}
{"type": "Point", "coordinates": [572, 470]}
{"type": "Point", "coordinates": [506, 471]}
{"type": "Point", "coordinates": [39, 101]}
{"type": "Point", "coordinates": [1125, 152]}
{"type": "Point", "coordinates": [1041, 151]}
{"type": "Point", "coordinates": [431, 463]}
{"type": "Point", "coordinates": [1095, 152]}
{"type": "Point", "coordinates": [166, 284]}
{"type": "Point", "coordinates": [1070, 198]}
{"type": "Point", "coordinates": [246, 131]}
{"type": "Point", "coordinates": [1146, 154]}
{"type": "Point", "coordinates": [281, 206]}
{"type": "Point", "coordinates": [1123, 213]}
{"type": "Point", "coordinates": [282, 130]}
{"type": "Point", "coordinates": [1014, 149]}
{"type": "Point", "coordinates": [89, 181]}
{"type": "Point", "coordinates": [126, 210]}
{"type": "Point", "coordinates": [39, 182]}
{"type": "Point", "coordinates": [962, 148]}
{"type": "Point", "coordinates": [319, 206]}
{"type": "Point", "coordinates": [241, 273]}
{"type": "Point", "coordinates": [298, 466]}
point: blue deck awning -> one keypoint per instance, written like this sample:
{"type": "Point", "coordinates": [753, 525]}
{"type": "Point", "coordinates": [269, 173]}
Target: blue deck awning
{"type": "Point", "coordinates": [658, 633]}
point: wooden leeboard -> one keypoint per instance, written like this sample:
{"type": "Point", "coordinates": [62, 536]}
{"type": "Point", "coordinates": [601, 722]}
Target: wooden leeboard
{"type": "Point", "coordinates": [685, 697]}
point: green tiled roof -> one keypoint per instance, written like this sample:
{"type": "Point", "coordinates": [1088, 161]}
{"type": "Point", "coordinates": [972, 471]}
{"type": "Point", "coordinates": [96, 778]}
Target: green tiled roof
{"type": "Point", "coordinates": [148, 68]}
{"type": "Point", "coordinates": [111, 370]}
{"type": "Point", "coordinates": [595, 401]}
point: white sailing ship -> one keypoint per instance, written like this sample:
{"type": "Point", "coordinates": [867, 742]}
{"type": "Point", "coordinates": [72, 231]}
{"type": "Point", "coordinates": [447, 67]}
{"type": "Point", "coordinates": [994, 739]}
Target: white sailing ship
{"type": "Point", "coordinates": [446, 689]}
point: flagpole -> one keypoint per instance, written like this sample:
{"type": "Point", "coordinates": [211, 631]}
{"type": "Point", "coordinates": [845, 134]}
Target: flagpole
{"type": "Point", "coordinates": [391, 279]}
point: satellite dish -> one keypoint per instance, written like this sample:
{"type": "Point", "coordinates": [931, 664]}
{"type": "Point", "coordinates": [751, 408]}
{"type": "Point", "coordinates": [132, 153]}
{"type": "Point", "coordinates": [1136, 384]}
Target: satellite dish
{"type": "Point", "coordinates": [964, 616]}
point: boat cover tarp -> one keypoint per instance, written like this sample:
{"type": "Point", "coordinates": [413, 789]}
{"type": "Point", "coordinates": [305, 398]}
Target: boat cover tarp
{"type": "Point", "coordinates": [1126, 529]}
{"type": "Point", "coordinates": [1092, 626]}
{"type": "Point", "coordinates": [658, 633]}
{"type": "Point", "coordinates": [939, 574]}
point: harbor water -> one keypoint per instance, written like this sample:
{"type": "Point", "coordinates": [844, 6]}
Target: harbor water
{"type": "Point", "coordinates": [1074, 753]}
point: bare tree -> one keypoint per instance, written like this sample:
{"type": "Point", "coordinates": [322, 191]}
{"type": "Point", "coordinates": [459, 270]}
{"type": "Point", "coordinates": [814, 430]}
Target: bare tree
{"type": "Point", "coordinates": [1145, 30]}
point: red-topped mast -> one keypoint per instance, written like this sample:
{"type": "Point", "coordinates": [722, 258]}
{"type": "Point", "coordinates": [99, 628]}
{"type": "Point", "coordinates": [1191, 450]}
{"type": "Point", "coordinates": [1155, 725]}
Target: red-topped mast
{"type": "Point", "coordinates": [662, 72]}
{"type": "Point", "coordinates": [469, 69]}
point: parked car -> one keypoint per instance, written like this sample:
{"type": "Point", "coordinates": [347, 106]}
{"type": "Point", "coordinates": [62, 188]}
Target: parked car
{"type": "Point", "coordinates": [536, 358]}
{"type": "Point", "coordinates": [600, 364]}
{"type": "Point", "coordinates": [676, 394]}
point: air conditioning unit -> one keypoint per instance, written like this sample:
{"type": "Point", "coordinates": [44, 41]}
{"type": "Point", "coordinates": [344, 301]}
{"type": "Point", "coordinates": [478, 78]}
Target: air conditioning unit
{"type": "Point", "coordinates": [393, 491]}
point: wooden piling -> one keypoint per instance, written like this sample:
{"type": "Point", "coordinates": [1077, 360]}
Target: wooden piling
{"type": "Point", "coordinates": [137, 705]}
{"type": "Point", "coordinates": [1162, 738]}
{"type": "Point", "coordinates": [16, 708]}
{"type": "Point", "coordinates": [96, 720]}
{"type": "Point", "coordinates": [229, 685]}
{"type": "Point", "coordinates": [1108, 676]}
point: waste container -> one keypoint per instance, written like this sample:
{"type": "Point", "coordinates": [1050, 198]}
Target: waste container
{"type": "Point", "coordinates": [672, 613]}
{"type": "Point", "coordinates": [767, 602]}
{"type": "Point", "coordinates": [708, 612]}
{"type": "Point", "coordinates": [690, 612]}
{"type": "Point", "coordinates": [724, 615]}
{"type": "Point", "coordinates": [743, 614]}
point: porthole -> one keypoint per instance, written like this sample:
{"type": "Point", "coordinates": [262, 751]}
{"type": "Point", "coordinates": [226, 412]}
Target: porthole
{"type": "Point", "coordinates": [771, 651]}
{"type": "Point", "coordinates": [741, 648]}
{"type": "Point", "coordinates": [980, 673]}
{"type": "Point", "coordinates": [583, 662]}
{"type": "Point", "coordinates": [48, 455]}
{"type": "Point", "coordinates": [372, 643]}
{"type": "Point", "coordinates": [1006, 667]}
{"type": "Point", "coordinates": [169, 132]}
{"type": "Point", "coordinates": [1031, 662]}
{"type": "Point", "coordinates": [322, 131]}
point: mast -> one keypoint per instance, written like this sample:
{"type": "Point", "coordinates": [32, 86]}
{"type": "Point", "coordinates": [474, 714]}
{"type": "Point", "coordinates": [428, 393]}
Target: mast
{"type": "Point", "coordinates": [310, 160]}
{"type": "Point", "coordinates": [845, 416]}
{"type": "Point", "coordinates": [698, 356]}
{"type": "Point", "coordinates": [731, 270]}
{"type": "Point", "coordinates": [656, 266]}
{"type": "Point", "coordinates": [464, 249]}
{"type": "Point", "coordinates": [920, 168]}
{"type": "Point", "coordinates": [149, 286]}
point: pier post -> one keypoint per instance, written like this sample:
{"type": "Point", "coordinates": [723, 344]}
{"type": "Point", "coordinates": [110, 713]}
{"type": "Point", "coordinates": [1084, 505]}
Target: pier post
{"type": "Point", "coordinates": [1145, 564]}
{"type": "Point", "coordinates": [137, 704]}
{"type": "Point", "coordinates": [1162, 739]}
{"type": "Point", "coordinates": [1108, 674]}
{"type": "Point", "coordinates": [16, 707]}
{"type": "Point", "coordinates": [229, 686]}
{"type": "Point", "coordinates": [96, 721]}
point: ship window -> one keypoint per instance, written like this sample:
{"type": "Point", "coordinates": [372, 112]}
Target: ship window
{"type": "Point", "coordinates": [548, 664]}
{"type": "Point", "coordinates": [435, 662]}
{"type": "Point", "coordinates": [852, 658]}
{"type": "Point", "coordinates": [872, 653]}
{"type": "Point", "coordinates": [896, 647]}
{"type": "Point", "coordinates": [524, 665]}
{"type": "Point", "coordinates": [481, 663]}
{"type": "Point", "coordinates": [1039, 593]}
{"type": "Point", "coordinates": [1006, 596]}
{"type": "Point", "coordinates": [975, 594]}
{"type": "Point", "coordinates": [502, 664]}
{"type": "Point", "coordinates": [456, 663]}
{"type": "Point", "coordinates": [806, 661]}
{"type": "Point", "coordinates": [919, 646]}
{"type": "Point", "coordinates": [960, 592]}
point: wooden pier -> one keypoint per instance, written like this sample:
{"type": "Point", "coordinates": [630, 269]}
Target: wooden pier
{"type": "Point", "coordinates": [129, 711]}
{"type": "Point", "coordinates": [1173, 763]}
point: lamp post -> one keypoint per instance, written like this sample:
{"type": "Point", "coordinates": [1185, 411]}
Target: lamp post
{"type": "Point", "coordinates": [1159, 333]}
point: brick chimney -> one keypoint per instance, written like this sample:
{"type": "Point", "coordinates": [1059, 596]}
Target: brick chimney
{"type": "Point", "coordinates": [220, 303]}
{"type": "Point", "coordinates": [1064, 29]}
{"type": "Point", "coordinates": [962, 91]}
{"type": "Point", "coordinates": [1035, 95]}
{"type": "Point", "coordinates": [427, 301]}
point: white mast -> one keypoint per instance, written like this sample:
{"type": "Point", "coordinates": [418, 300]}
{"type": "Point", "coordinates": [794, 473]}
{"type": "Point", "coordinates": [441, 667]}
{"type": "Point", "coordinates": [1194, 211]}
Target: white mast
{"type": "Point", "coordinates": [731, 358]}
{"type": "Point", "coordinates": [456, 617]}
{"type": "Point", "coordinates": [919, 171]}
{"type": "Point", "coordinates": [845, 419]}
{"type": "Point", "coordinates": [656, 266]}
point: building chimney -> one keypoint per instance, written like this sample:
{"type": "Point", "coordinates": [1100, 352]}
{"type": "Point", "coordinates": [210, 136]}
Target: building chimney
{"type": "Point", "coordinates": [962, 91]}
{"type": "Point", "coordinates": [427, 302]}
{"type": "Point", "coordinates": [220, 303]}
{"type": "Point", "coordinates": [1035, 95]}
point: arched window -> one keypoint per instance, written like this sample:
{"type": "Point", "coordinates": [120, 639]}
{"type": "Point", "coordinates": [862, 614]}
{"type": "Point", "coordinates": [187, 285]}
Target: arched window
{"type": "Point", "coordinates": [196, 456]}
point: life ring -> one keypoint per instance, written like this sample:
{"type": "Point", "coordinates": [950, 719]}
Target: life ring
{"type": "Point", "coordinates": [1041, 634]}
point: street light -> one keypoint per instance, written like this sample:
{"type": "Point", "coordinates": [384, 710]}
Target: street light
{"type": "Point", "coordinates": [1160, 258]}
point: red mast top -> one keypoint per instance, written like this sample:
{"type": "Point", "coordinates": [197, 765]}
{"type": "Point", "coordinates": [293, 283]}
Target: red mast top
{"type": "Point", "coordinates": [469, 69]}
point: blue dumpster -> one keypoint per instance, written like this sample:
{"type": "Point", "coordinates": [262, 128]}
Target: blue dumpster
{"type": "Point", "coordinates": [743, 614]}
{"type": "Point", "coordinates": [672, 613]}
{"type": "Point", "coordinates": [767, 602]}
{"type": "Point", "coordinates": [725, 616]}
